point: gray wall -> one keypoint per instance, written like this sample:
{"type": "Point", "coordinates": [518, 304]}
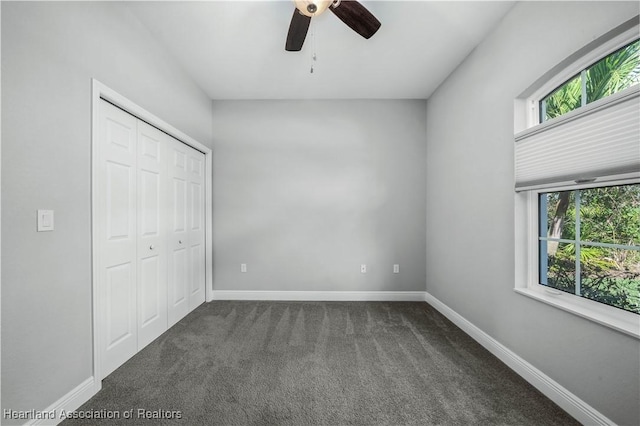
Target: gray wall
{"type": "Point", "coordinates": [306, 191]}
{"type": "Point", "coordinates": [470, 214]}
{"type": "Point", "coordinates": [50, 52]}
{"type": "Point", "coordinates": [302, 202]}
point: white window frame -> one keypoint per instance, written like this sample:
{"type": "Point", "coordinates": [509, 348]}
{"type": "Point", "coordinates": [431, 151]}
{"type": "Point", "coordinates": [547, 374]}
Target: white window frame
{"type": "Point", "coordinates": [527, 268]}
{"type": "Point", "coordinates": [526, 115]}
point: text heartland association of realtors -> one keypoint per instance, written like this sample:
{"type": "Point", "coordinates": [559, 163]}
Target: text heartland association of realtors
{"type": "Point", "coordinates": [139, 413]}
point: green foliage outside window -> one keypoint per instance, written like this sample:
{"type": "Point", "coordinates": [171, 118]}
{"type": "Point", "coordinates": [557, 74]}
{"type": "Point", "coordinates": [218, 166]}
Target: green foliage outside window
{"type": "Point", "coordinates": [611, 74]}
{"type": "Point", "coordinates": [608, 215]}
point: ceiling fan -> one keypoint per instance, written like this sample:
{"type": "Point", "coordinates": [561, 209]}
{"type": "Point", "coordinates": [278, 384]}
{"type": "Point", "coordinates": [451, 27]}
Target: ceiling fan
{"type": "Point", "coordinates": [352, 13]}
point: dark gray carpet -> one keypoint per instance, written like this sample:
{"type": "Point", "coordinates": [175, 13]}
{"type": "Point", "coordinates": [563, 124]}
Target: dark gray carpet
{"type": "Point", "coordinates": [329, 363]}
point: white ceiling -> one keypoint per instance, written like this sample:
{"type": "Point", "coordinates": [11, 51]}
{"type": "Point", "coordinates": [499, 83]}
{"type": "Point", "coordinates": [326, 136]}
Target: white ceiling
{"type": "Point", "coordinates": [235, 49]}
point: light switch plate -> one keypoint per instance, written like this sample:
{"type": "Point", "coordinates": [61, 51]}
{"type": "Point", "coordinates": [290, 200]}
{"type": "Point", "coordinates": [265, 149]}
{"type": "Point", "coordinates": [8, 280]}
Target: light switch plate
{"type": "Point", "coordinates": [45, 220]}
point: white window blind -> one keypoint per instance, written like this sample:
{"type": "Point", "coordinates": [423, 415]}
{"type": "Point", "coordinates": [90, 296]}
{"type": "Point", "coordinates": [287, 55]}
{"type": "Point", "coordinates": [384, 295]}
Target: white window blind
{"type": "Point", "coordinates": [598, 140]}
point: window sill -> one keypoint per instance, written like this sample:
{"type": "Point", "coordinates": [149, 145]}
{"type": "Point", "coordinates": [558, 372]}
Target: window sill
{"type": "Point", "coordinates": [617, 319]}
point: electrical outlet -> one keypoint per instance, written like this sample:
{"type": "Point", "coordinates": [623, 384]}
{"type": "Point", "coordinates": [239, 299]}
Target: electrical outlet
{"type": "Point", "coordinates": [243, 267]}
{"type": "Point", "coordinates": [396, 269]}
{"type": "Point", "coordinates": [45, 220]}
{"type": "Point", "coordinates": [363, 268]}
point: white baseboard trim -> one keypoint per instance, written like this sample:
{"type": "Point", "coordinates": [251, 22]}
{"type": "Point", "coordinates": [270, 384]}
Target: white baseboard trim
{"type": "Point", "coordinates": [321, 296]}
{"type": "Point", "coordinates": [569, 402]}
{"type": "Point", "coordinates": [69, 402]}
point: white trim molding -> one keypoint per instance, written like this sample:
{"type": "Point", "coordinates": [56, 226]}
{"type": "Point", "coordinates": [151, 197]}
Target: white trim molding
{"type": "Point", "coordinates": [617, 319]}
{"type": "Point", "coordinates": [69, 402]}
{"type": "Point", "coordinates": [324, 296]}
{"type": "Point", "coordinates": [569, 402]}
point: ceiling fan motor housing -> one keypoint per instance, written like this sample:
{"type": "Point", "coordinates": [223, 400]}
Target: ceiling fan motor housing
{"type": "Point", "coordinates": [312, 8]}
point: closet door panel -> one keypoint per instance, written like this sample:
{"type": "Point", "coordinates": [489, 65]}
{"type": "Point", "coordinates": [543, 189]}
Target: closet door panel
{"type": "Point", "coordinates": [117, 272]}
{"type": "Point", "coordinates": [150, 307]}
{"type": "Point", "coordinates": [179, 207]}
{"type": "Point", "coordinates": [196, 228]}
{"type": "Point", "coordinates": [121, 323]}
{"type": "Point", "coordinates": [196, 293]}
{"type": "Point", "coordinates": [178, 236]}
{"type": "Point", "coordinates": [151, 234]}
{"type": "Point", "coordinates": [119, 187]}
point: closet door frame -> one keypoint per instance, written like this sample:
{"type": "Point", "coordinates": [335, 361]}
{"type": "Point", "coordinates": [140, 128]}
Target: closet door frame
{"type": "Point", "coordinates": [101, 91]}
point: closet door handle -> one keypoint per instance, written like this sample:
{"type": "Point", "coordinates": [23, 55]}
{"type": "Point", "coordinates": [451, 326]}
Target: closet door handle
{"type": "Point", "coordinates": [179, 241]}
{"type": "Point", "coordinates": [151, 247]}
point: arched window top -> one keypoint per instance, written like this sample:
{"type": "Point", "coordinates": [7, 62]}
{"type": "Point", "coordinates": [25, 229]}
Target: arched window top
{"type": "Point", "coordinates": [608, 65]}
{"type": "Point", "coordinates": [613, 73]}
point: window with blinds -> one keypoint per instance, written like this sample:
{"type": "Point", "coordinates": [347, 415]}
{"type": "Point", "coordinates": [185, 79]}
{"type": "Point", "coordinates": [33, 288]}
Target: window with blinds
{"type": "Point", "coordinates": [577, 169]}
{"type": "Point", "coordinates": [597, 141]}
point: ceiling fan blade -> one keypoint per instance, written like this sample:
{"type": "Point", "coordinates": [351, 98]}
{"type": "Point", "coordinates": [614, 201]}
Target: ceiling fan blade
{"type": "Point", "coordinates": [357, 17]}
{"type": "Point", "coordinates": [297, 31]}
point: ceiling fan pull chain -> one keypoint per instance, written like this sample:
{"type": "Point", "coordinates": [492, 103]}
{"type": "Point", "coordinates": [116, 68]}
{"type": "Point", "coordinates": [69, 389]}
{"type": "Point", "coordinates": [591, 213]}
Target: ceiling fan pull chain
{"type": "Point", "coordinates": [313, 36]}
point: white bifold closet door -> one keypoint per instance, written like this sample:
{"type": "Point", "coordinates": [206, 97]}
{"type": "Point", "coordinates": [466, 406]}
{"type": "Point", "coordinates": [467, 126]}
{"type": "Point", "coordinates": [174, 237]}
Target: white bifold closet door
{"type": "Point", "coordinates": [151, 253]}
{"type": "Point", "coordinates": [186, 230]}
{"type": "Point", "coordinates": [139, 207]}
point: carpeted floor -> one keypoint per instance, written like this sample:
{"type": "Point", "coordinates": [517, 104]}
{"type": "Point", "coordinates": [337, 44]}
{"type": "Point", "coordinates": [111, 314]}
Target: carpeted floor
{"type": "Point", "coordinates": [325, 363]}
